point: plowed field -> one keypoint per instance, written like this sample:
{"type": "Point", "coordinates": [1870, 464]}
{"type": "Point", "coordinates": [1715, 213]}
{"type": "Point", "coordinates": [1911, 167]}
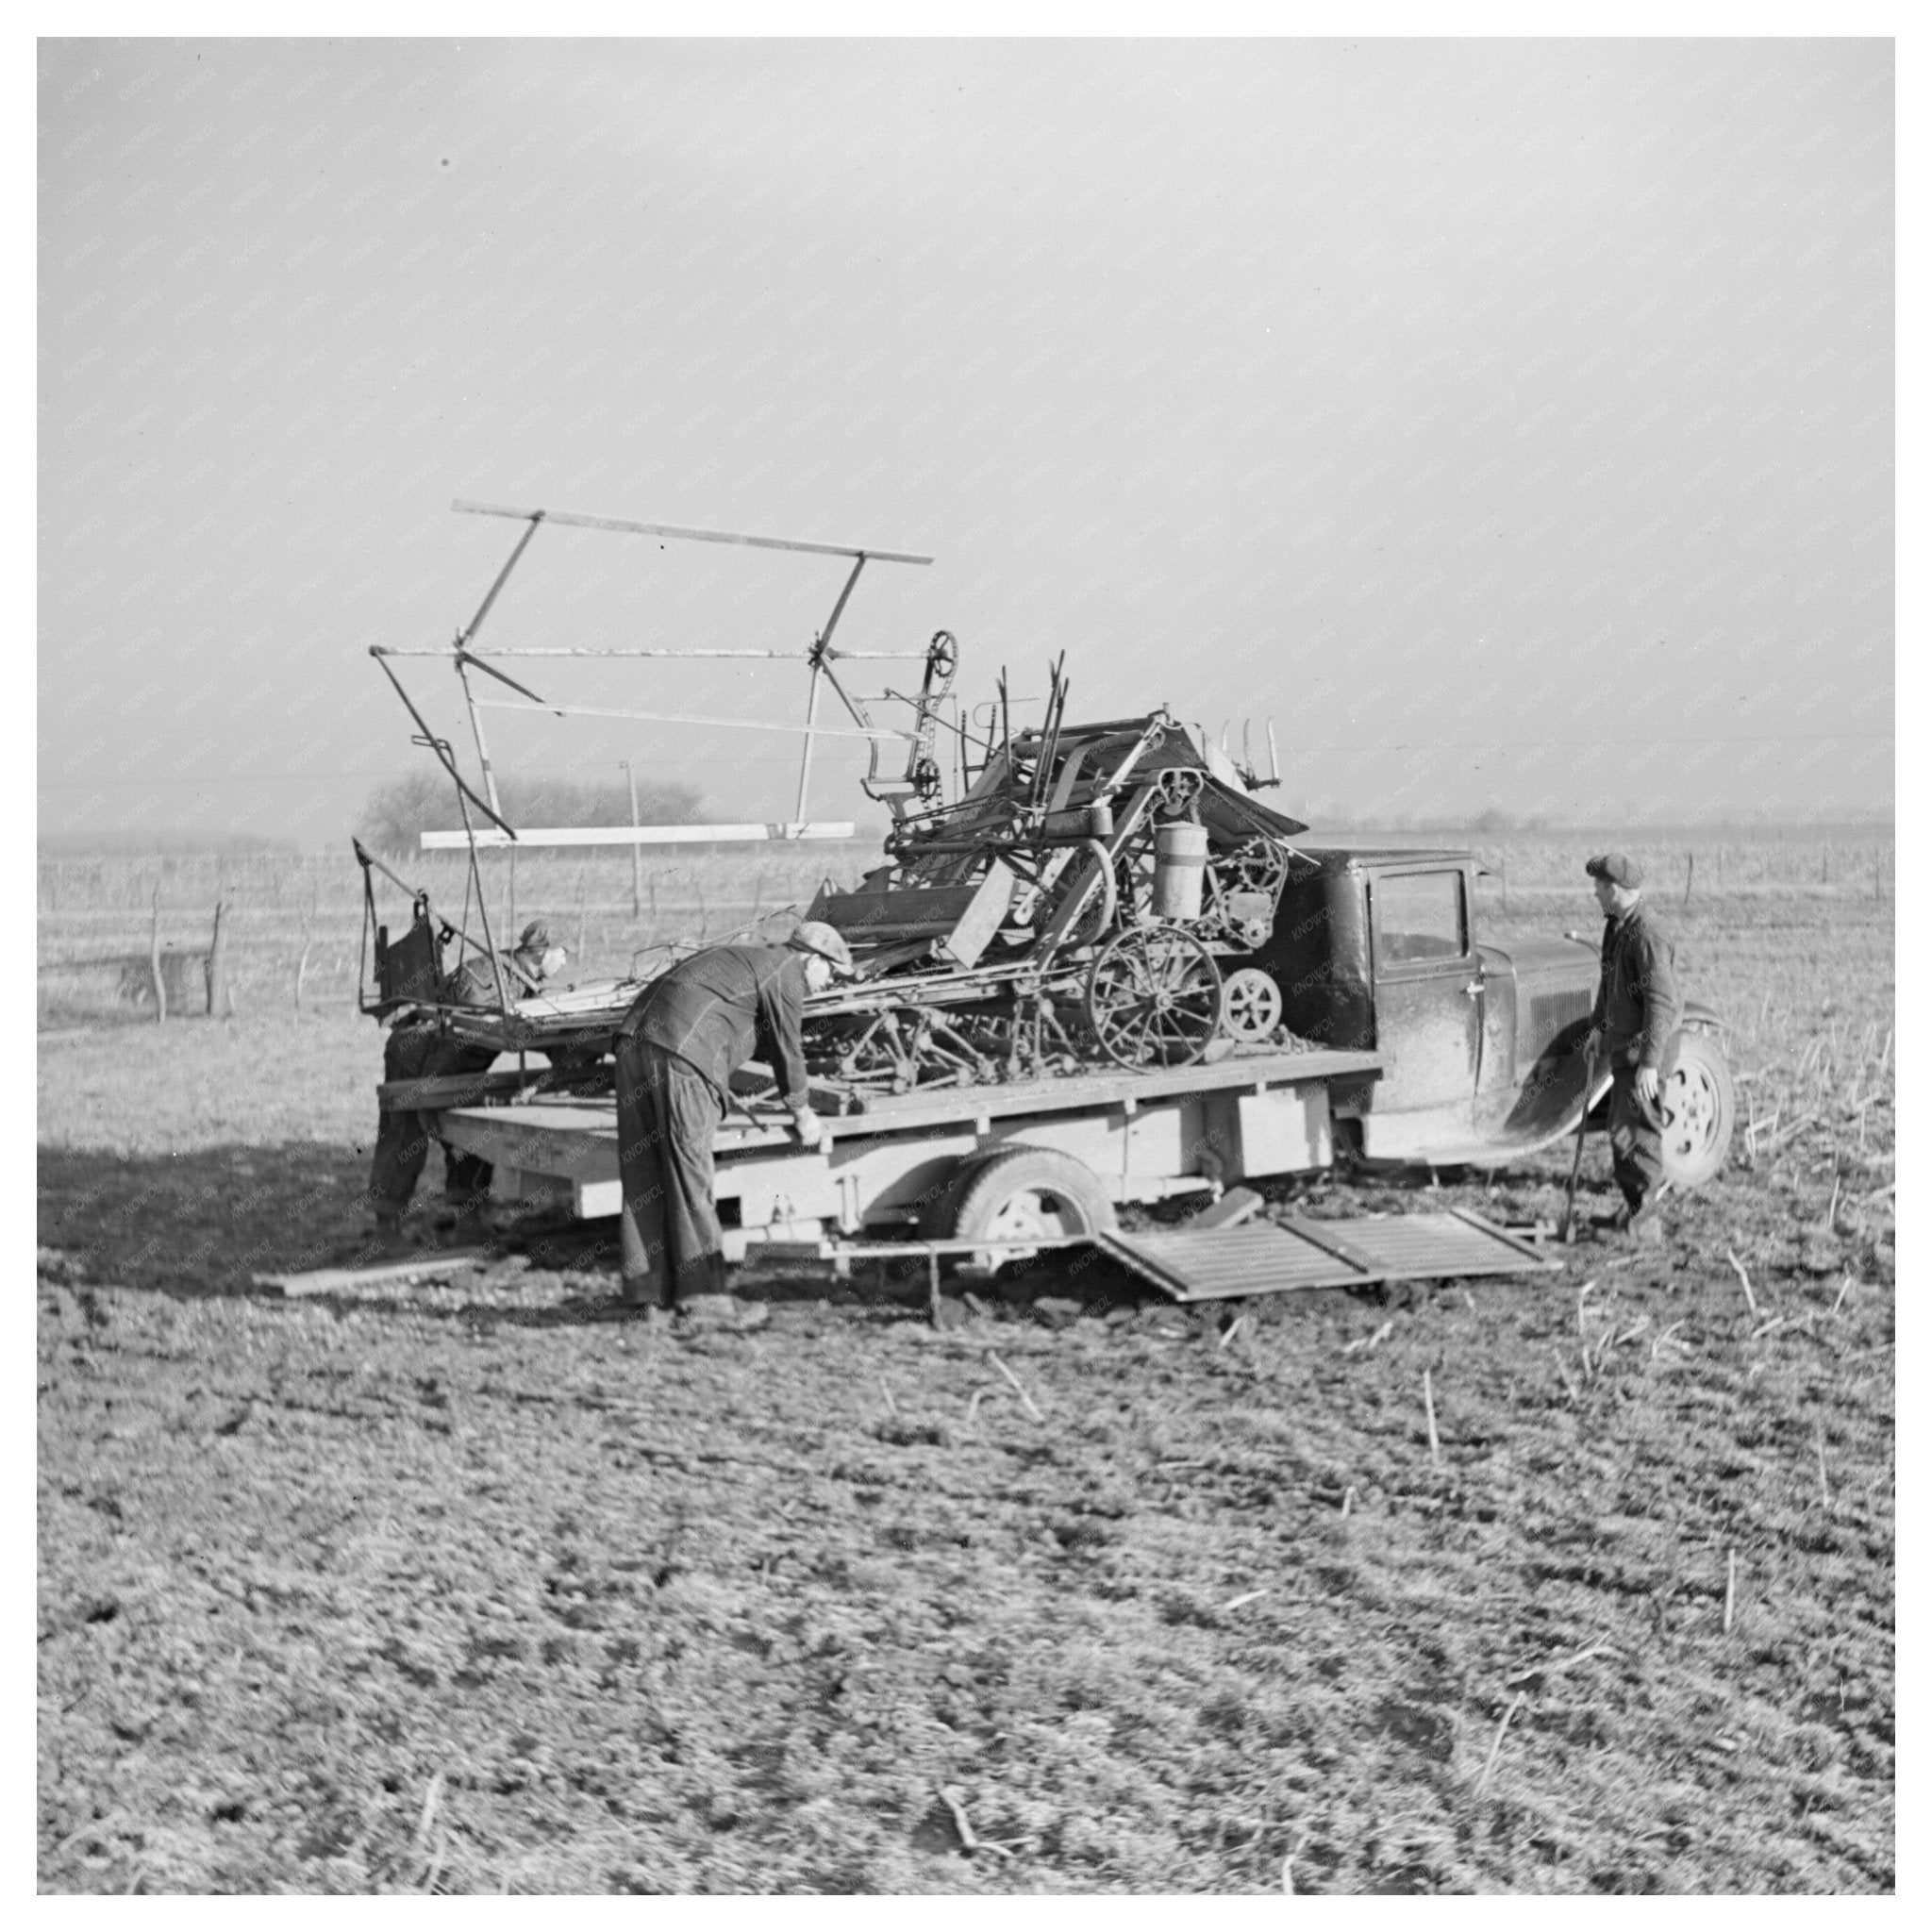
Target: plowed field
{"type": "Point", "coordinates": [457, 1589]}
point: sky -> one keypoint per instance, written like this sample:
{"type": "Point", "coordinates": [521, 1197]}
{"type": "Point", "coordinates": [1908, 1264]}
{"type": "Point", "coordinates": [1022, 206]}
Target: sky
{"type": "Point", "coordinates": [1509, 421]}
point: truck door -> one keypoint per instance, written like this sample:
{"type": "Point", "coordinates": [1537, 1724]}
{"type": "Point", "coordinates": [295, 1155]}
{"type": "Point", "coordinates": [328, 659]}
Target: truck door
{"type": "Point", "coordinates": [1428, 994]}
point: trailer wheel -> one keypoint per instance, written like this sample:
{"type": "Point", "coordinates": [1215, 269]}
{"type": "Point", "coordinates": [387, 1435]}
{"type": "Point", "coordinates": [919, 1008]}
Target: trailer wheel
{"type": "Point", "coordinates": [1013, 1192]}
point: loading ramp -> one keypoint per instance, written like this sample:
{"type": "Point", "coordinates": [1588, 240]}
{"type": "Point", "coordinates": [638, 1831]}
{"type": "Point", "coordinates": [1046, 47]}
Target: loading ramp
{"type": "Point", "coordinates": [1272, 1257]}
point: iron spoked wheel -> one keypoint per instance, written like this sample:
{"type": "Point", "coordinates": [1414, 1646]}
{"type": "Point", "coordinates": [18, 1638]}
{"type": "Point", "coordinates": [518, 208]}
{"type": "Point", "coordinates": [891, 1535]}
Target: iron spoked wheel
{"type": "Point", "coordinates": [1697, 1110]}
{"type": "Point", "coordinates": [1254, 1004]}
{"type": "Point", "coordinates": [1154, 997]}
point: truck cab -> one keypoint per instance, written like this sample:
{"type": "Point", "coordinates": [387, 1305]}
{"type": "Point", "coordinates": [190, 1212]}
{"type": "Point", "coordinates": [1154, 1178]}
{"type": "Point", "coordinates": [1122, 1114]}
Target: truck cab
{"type": "Point", "coordinates": [1376, 949]}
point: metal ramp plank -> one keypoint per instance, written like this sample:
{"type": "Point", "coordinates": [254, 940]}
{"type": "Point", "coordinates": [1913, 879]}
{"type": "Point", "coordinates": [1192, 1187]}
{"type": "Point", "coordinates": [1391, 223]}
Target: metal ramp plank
{"type": "Point", "coordinates": [1322, 1234]}
{"type": "Point", "coordinates": [1427, 1244]}
{"type": "Point", "coordinates": [1272, 1257]}
{"type": "Point", "coordinates": [1255, 1260]}
{"type": "Point", "coordinates": [1510, 1239]}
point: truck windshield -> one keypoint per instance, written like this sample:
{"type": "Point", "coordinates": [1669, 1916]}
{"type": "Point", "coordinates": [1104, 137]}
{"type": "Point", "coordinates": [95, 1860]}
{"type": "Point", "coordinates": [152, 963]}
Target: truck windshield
{"type": "Point", "coordinates": [1418, 916]}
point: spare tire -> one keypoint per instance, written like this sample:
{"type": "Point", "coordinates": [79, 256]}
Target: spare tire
{"type": "Point", "coordinates": [1697, 1109]}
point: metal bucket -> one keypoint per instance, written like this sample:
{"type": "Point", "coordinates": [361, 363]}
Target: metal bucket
{"type": "Point", "coordinates": [1180, 864]}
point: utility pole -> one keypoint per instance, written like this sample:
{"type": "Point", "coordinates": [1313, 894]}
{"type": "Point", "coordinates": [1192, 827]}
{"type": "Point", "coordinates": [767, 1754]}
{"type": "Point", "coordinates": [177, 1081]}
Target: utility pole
{"type": "Point", "coordinates": [637, 863]}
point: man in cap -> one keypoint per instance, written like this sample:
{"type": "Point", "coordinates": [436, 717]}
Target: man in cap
{"type": "Point", "coordinates": [677, 1047]}
{"type": "Point", "coordinates": [1632, 1022]}
{"type": "Point", "coordinates": [419, 1046]}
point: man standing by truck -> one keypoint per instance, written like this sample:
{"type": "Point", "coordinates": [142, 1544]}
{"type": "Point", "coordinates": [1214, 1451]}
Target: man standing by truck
{"type": "Point", "coordinates": [677, 1047]}
{"type": "Point", "coordinates": [1632, 1024]}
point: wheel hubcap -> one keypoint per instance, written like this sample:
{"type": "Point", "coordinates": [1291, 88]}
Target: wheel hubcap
{"type": "Point", "coordinates": [1689, 1111]}
{"type": "Point", "coordinates": [1025, 1214]}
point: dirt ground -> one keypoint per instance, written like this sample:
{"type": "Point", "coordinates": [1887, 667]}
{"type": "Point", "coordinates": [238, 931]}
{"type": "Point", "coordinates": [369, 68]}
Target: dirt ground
{"type": "Point", "coordinates": [457, 1588]}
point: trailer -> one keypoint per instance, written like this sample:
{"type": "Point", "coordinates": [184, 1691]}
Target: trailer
{"type": "Point", "coordinates": [1053, 1156]}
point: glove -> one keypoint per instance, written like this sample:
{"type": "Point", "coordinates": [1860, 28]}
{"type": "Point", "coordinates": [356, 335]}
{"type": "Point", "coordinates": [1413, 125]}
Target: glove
{"type": "Point", "coordinates": [811, 1130]}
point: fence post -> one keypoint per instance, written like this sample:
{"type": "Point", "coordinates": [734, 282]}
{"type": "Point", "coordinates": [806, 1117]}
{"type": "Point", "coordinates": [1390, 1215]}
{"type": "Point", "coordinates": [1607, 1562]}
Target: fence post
{"type": "Point", "coordinates": [1689, 870]}
{"type": "Point", "coordinates": [154, 962]}
{"type": "Point", "coordinates": [220, 996]}
{"type": "Point", "coordinates": [637, 860]}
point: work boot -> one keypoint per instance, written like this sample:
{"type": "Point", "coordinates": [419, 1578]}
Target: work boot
{"type": "Point", "coordinates": [652, 1313]}
{"type": "Point", "coordinates": [391, 1241]}
{"type": "Point", "coordinates": [723, 1311]}
{"type": "Point", "coordinates": [1645, 1226]}
{"type": "Point", "coordinates": [469, 1225]}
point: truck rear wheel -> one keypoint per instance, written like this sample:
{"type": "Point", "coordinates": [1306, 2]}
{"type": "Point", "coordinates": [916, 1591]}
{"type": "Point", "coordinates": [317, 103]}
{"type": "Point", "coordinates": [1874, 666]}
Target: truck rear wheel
{"type": "Point", "coordinates": [1016, 1192]}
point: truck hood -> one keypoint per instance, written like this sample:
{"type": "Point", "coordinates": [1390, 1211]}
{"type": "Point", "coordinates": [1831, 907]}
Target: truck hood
{"type": "Point", "coordinates": [1545, 965]}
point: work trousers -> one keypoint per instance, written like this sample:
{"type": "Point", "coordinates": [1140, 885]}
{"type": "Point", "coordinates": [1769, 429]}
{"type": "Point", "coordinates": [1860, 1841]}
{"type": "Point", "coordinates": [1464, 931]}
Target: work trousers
{"type": "Point", "coordinates": [1637, 1145]}
{"type": "Point", "coordinates": [415, 1051]}
{"type": "Point", "coordinates": [667, 1113]}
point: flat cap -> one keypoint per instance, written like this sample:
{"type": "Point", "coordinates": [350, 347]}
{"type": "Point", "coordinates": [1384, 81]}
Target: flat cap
{"type": "Point", "coordinates": [534, 938]}
{"type": "Point", "coordinates": [828, 942]}
{"type": "Point", "coordinates": [1618, 867]}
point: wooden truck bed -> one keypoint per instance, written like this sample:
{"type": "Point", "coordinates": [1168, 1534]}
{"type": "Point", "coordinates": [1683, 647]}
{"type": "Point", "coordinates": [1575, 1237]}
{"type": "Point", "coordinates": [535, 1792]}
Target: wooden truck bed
{"type": "Point", "coordinates": [1145, 1135]}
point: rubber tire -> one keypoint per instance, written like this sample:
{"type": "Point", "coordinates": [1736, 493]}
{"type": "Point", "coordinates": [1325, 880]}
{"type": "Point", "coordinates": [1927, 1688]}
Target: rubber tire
{"type": "Point", "coordinates": [1700, 1057]}
{"type": "Point", "coordinates": [965, 1208]}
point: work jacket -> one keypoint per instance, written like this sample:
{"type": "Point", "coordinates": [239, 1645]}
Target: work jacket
{"type": "Point", "coordinates": [723, 1007]}
{"type": "Point", "coordinates": [1636, 995]}
{"type": "Point", "coordinates": [472, 984]}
